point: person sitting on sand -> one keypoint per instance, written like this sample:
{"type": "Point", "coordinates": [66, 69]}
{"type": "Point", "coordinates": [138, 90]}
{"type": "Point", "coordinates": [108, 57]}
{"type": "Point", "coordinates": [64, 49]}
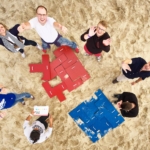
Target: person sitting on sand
{"type": "Point", "coordinates": [39, 131]}
{"type": "Point", "coordinates": [8, 100]}
{"type": "Point", "coordinates": [12, 41]}
{"type": "Point", "coordinates": [127, 103]}
{"type": "Point", "coordinates": [134, 68]}
{"type": "Point", "coordinates": [97, 40]}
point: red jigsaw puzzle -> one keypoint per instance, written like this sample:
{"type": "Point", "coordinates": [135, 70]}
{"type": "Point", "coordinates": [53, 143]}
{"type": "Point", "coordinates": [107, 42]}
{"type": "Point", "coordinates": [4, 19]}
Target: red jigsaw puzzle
{"type": "Point", "coordinates": [67, 66]}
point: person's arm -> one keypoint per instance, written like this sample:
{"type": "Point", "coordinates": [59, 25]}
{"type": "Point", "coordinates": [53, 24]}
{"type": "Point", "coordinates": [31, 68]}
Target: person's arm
{"type": "Point", "coordinates": [60, 27]}
{"type": "Point", "coordinates": [88, 34]}
{"type": "Point", "coordinates": [125, 65]}
{"type": "Point", "coordinates": [24, 26]}
{"type": "Point", "coordinates": [50, 121]}
{"type": "Point", "coordinates": [30, 116]}
{"type": "Point", "coordinates": [106, 42]}
{"type": "Point", "coordinates": [136, 81]}
{"type": "Point", "coordinates": [127, 113]}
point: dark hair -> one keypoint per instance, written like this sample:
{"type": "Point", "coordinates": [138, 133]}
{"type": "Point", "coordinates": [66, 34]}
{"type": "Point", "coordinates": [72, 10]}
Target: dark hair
{"type": "Point", "coordinates": [126, 106]}
{"type": "Point", "coordinates": [35, 135]}
{"type": "Point", "coordinates": [4, 26]}
{"type": "Point", "coordinates": [41, 7]}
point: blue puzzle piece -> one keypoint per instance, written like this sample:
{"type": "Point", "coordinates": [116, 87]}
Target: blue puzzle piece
{"type": "Point", "coordinates": [97, 116]}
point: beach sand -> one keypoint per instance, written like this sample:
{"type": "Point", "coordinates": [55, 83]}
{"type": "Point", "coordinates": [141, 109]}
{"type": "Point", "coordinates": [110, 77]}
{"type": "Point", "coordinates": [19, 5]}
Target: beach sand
{"type": "Point", "coordinates": [130, 33]}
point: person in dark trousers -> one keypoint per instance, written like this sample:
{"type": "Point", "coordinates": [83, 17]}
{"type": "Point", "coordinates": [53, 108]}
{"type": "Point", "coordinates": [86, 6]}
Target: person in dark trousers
{"type": "Point", "coordinates": [134, 68]}
{"type": "Point", "coordinates": [39, 130]}
{"type": "Point", "coordinates": [47, 27]}
{"type": "Point", "coordinates": [127, 103]}
{"type": "Point", "coordinates": [12, 41]}
{"type": "Point", "coordinates": [97, 40]}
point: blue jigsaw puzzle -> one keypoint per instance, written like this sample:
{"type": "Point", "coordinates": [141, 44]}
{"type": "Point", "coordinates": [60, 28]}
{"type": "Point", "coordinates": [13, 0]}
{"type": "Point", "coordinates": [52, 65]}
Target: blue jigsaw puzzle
{"type": "Point", "coordinates": [97, 116]}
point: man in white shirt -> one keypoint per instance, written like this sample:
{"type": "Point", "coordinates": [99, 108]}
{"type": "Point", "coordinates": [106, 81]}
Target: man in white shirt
{"type": "Point", "coordinates": [39, 131]}
{"type": "Point", "coordinates": [46, 28]}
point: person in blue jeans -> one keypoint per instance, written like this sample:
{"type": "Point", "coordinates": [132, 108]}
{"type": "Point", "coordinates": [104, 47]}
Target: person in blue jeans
{"type": "Point", "coordinates": [10, 99]}
{"type": "Point", "coordinates": [46, 28]}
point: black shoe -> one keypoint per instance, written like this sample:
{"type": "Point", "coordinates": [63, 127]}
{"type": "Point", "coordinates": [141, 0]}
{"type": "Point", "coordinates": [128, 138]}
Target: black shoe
{"type": "Point", "coordinates": [117, 95]}
{"type": "Point", "coordinates": [115, 81]}
{"type": "Point", "coordinates": [115, 101]}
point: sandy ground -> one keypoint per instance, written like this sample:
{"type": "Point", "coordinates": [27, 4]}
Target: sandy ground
{"type": "Point", "coordinates": [129, 29]}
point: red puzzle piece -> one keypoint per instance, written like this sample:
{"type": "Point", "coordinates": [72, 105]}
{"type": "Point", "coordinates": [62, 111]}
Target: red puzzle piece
{"type": "Point", "coordinates": [55, 91]}
{"type": "Point", "coordinates": [66, 66]}
{"type": "Point", "coordinates": [54, 64]}
{"type": "Point", "coordinates": [44, 67]}
{"type": "Point", "coordinates": [76, 71]}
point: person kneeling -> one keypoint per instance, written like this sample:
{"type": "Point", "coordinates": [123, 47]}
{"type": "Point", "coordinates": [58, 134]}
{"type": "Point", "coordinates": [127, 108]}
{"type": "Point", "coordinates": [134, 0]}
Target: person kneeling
{"type": "Point", "coordinates": [127, 103]}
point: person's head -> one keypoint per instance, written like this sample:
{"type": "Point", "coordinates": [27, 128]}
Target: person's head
{"type": "Point", "coordinates": [41, 13]}
{"type": "Point", "coordinates": [35, 135]}
{"type": "Point", "coordinates": [3, 29]}
{"type": "Point", "coordinates": [146, 67]}
{"type": "Point", "coordinates": [127, 106]}
{"type": "Point", "coordinates": [101, 28]}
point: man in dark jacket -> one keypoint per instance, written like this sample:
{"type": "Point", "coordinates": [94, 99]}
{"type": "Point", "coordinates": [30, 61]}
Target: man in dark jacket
{"type": "Point", "coordinates": [127, 103]}
{"type": "Point", "coordinates": [97, 40]}
{"type": "Point", "coordinates": [134, 68]}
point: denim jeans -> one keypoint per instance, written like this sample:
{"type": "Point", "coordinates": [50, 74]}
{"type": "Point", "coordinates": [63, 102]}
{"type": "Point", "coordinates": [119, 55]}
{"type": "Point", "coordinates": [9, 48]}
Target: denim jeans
{"type": "Point", "coordinates": [61, 41]}
{"type": "Point", "coordinates": [64, 41]}
{"type": "Point", "coordinates": [20, 97]}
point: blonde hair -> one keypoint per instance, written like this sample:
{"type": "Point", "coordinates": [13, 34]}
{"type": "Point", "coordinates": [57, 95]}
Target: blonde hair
{"type": "Point", "coordinates": [4, 26]}
{"type": "Point", "coordinates": [103, 23]}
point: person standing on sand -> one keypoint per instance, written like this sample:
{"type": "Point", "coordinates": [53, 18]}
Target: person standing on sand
{"type": "Point", "coordinates": [46, 28]}
{"type": "Point", "coordinates": [97, 40]}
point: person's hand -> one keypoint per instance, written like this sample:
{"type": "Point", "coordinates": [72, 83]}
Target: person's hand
{"type": "Point", "coordinates": [133, 83]}
{"type": "Point", "coordinates": [126, 67]}
{"type": "Point", "coordinates": [106, 42]}
{"type": "Point", "coordinates": [64, 29]}
{"type": "Point", "coordinates": [4, 90]}
{"type": "Point", "coordinates": [92, 31]}
{"type": "Point", "coordinates": [32, 112]}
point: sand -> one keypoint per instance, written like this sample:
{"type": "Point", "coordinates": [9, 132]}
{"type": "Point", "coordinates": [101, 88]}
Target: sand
{"type": "Point", "coordinates": [130, 33]}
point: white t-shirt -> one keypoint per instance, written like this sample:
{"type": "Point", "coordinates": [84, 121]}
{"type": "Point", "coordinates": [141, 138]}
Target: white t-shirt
{"type": "Point", "coordinates": [47, 31]}
{"type": "Point", "coordinates": [43, 134]}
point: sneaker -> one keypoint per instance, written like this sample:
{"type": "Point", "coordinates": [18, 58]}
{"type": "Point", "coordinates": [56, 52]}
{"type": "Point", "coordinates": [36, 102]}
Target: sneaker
{"type": "Point", "coordinates": [23, 55]}
{"type": "Point", "coordinates": [116, 95]}
{"type": "Point", "coordinates": [39, 47]}
{"type": "Point", "coordinates": [115, 81]}
{"type": "Point", "coordinates": [77, 50]}
{"type": "Point", "coordinates": [23, 103]}
{"type": "Point", "coordinates": [98, 58]}
{"type": "Point", "coordinates": [32, 97]}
